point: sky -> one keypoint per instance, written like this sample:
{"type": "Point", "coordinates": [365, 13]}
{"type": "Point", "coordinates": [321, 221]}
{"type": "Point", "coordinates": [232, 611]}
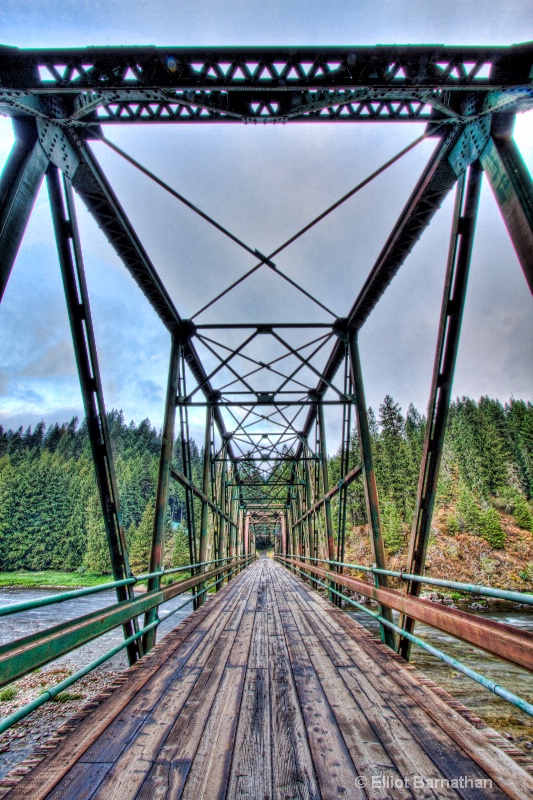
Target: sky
{"type": "Point", "coordinates": [263, 183]}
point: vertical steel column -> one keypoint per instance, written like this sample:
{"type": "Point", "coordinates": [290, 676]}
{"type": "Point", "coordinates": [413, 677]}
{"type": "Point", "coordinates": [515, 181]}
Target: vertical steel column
{"type": "Point", "coordinates": [77, 298]}
{"type": "Point", "coordinates": [316, 495]}
{"type": "Point", "coordinates": [240, 532]}
{"type": "Point", "coordinates": [325, 482]}
{"type": "Point", "coordinates": [206, 481]}
{"type": "Point", "coordinates": [295, 525]}
{"type": "Point", "coordinates": [231, 531]}
{"type": "Point", "coordinates": [309, 502]}
{"type": "Point", "coordinates": [222, 504]}
{"type": "Point", "coordinates": [19, 186]}
{"type": "Point", "coordinates": [369, 479]}
{"type": "Point", "coordinates": [453, 300]}
{"type": "Point", "coordinates": [283, 535]}
{"type": "Point", "coordinates": [163, 480]}
{"type": "Point", "coordinates": [246, 531]}
{"type": "Point", "coordinates": [345, 464]}
{"type": "Point", "coordinates": [300, 531]}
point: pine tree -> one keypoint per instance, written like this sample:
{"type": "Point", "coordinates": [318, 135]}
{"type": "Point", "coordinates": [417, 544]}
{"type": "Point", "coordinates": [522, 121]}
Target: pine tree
{"type": "Point", "coordinates": [141, 540]}
{"type": "Point", "coordinates": [97, 557]}
{"type": "Point", "coordinates": [392, 457]}
{"type": "Point", "coordinates": [180, 548]}
{"type": "Point", "coordinates": [394, 536]}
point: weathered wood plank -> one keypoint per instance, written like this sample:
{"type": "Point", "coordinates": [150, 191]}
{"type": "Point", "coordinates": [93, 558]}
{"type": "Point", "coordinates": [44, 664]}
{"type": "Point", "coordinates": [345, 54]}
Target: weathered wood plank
{"type": "Point", "coordinates": [481, 756]}
{"type": "Point", "coordinates": [292, 764]}
{"type": "Point", "coordinates": [270, 692]}
{"type": "Point", "coordinates": [210, 769]}
{"type": "Point", "coordinates": [251, 767]}
{"type": "Point", "coordinates": [336, 774]}
{"type": "Point", "coordinates": [80, 782]}
{"type": "Point", "coordinates": [153, 699]}
{"type": "Point", "coordinates": [403, 749]}
{"type": "Point", "coordinates": [368, 754]}
{"type": "Point", "coordinates": [100, 715]}
{"type": "Point", "coordinates": [143, 756]}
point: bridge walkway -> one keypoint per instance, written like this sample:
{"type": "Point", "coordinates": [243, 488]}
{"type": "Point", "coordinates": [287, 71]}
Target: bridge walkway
{"type": "Point", "coordinates": [269, 692]}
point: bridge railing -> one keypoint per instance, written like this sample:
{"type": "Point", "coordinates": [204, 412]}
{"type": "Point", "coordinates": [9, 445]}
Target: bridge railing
{"type": "Point", "coordinates": [497, 638]}
{"type": "Point", "coordinates": [22, 656]}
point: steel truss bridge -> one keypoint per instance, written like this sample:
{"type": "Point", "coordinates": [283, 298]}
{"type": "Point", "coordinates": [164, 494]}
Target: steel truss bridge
{"type": "Point", "coordinates": [265, 474]}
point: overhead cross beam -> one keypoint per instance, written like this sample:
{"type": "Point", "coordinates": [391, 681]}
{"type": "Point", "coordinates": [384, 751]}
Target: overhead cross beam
{"type": "Point", "coordinates": [260, 84]}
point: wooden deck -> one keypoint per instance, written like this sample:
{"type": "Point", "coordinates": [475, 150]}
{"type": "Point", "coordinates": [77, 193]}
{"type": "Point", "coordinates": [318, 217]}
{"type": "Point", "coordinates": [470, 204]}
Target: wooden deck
{"type": "Point", "coordinates": [271, 693]}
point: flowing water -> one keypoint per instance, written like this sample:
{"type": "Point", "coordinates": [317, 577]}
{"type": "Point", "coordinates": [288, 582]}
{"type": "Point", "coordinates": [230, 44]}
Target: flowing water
{"type": "Point", "coordinates": [497, 712]}
{"type": "Point", "coordinates": [27, 622]}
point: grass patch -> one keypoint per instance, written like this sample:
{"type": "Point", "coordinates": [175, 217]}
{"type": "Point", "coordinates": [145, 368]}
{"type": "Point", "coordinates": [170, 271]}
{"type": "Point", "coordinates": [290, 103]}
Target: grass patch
{"type": "Point", "coordinates": [69, 580]}
{"type": "Point", "coordinates": [65, 697]}
{"type": "Point", "coordinates": [9, 693]}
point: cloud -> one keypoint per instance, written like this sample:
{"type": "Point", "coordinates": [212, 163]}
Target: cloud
{"type": "Point", "coordinates": [56, 361]}
{"type": "Point", "coordinates": [263, 183]}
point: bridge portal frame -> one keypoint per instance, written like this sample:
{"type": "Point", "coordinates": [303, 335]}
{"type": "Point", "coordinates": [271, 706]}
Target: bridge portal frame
{"type": "Point", "coordinates": [468, 97]}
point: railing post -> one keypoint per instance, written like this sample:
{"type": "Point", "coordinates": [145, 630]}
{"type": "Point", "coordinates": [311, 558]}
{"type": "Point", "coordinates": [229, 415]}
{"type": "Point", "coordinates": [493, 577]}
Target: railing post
{"type": "Point", "coordinates": [163, 481]}
{"type": "Point", "coordinates": [460, 251]}
{"type": "Point", "coordinates": [369, 478]}
{"type": "Point", "coordinates": [79, 312]}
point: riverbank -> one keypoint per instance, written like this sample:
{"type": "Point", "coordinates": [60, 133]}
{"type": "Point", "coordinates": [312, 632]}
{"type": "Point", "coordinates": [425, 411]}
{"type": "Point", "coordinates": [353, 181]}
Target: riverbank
{"type": "Point", "coordinates": [20, 741]}
{"type": "Point", "coordinates": [23, 738]}
{"type": "Point", "coordinates": [48, 579]}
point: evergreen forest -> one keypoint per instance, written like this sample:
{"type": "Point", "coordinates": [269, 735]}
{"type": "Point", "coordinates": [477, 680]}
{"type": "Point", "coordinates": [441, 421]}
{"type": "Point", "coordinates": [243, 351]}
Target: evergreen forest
{"type": "Point", "coordinates": [50, 517]}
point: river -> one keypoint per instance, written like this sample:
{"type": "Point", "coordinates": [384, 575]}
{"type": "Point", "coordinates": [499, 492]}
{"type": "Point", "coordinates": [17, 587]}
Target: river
{"type": "Point", "coordinates": [497, 712]}
{"type": "Point", "coordinates": [27, 622]}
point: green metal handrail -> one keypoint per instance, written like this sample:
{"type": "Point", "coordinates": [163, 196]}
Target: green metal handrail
{"type": "Point", "coordinates": [49, 694]}
{"type": "Point", "coordinates": [519, 702]}
{"type": "Point", "coordinates": [61, 597]}
{"type": "Point", "coordinates": [22, 656]}
{"type": "Point", "coordinates": [473, 588]}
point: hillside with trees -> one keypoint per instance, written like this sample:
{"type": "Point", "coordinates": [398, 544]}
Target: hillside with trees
{"type": "Point", "coordinates": [50, 516]}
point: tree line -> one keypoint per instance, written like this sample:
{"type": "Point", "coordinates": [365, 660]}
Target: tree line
{"type": "Point", "coordinates": [50, 515]}
{"type": "Point", "coordinates": [486, 468]}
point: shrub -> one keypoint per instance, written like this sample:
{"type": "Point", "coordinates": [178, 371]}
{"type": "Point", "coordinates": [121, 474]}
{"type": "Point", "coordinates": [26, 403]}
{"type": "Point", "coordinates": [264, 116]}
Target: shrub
{"type": "Point", "coordinates": [9, 693]}
{"type": "Point", "coordinates": [391, 522]}
{"type": "Point", "coordinates": [452, 525]}
{"type": "Point", "coordinates": [522, 513]}
{"type": "Point", "coordinates": [490, 528]}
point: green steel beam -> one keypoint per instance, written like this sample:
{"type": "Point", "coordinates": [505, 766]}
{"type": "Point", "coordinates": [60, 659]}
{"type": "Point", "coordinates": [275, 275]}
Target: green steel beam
{"type": "Point", "coordinates": [163, 481]}
{"type": "Point", "coordinates": [369, 476]}
{"type": "Point", "coordinates": [19, 185]}
{"type": "Point", "coordinates": [512, 186]}
{"type": "Point", "coordinates": [453, 301]}
{"type": "Point", "coordinates": [79, 313]}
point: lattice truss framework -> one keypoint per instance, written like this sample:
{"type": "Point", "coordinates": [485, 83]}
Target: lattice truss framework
{"type": "Point", "coordinates": [265, 462]}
